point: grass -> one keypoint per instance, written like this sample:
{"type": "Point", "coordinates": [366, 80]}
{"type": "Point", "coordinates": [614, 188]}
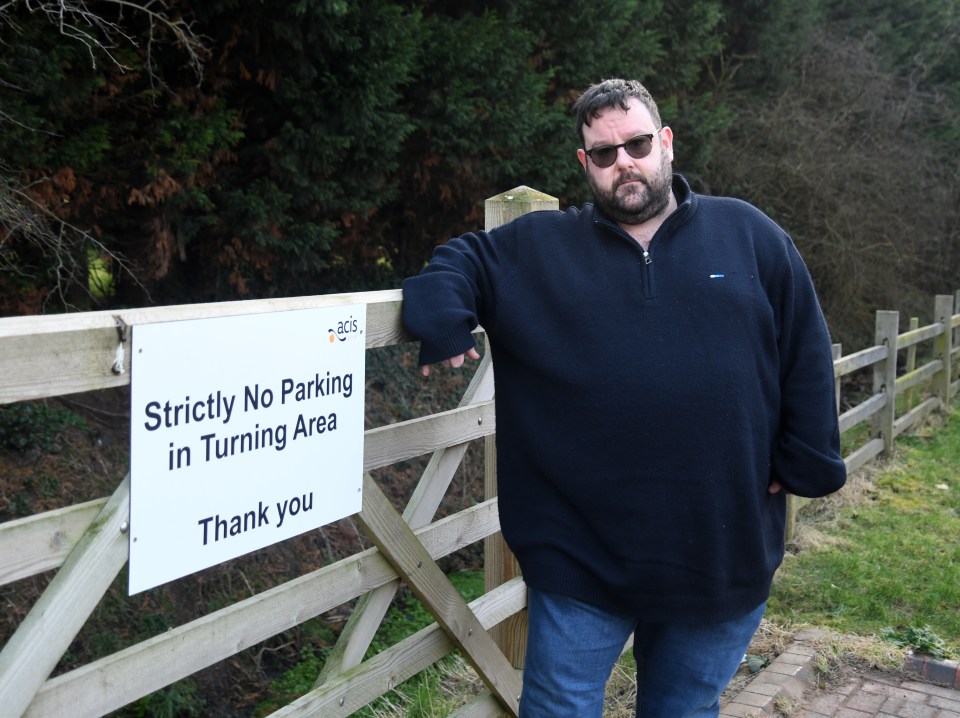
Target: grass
{"type": "Point", "coordinates": [881, 558]}
{"type": "Point", "coordinates": [433, 693]}
{"type": "Point", "coordinates": [444, 686]}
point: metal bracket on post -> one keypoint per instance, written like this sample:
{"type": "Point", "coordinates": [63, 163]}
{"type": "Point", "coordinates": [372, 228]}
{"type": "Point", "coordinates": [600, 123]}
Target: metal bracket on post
{"type": "Point", "coordinates": [122, 328]}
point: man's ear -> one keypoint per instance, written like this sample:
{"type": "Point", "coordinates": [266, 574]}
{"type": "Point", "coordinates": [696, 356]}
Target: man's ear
{"type": "Point", "coordinates": [666, 139]}
{"type": "Point", "coordinates": [582, 156]}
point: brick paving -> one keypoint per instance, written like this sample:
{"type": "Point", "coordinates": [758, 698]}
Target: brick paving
{"type": "Point", "coordinates": [787, 687]}
{"type": "Point", "coordinates": [883, 696]}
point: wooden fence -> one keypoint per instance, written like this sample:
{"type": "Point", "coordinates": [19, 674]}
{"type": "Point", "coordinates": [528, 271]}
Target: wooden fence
{"type": "Point", "coordinates": [50, 356]}
{"type": "Point", "coordinates": [903, 393]}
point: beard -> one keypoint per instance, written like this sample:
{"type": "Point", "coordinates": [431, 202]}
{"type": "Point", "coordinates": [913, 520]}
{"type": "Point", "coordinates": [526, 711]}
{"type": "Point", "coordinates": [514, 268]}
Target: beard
{"type": "Point", "coordinates": [635, 204]}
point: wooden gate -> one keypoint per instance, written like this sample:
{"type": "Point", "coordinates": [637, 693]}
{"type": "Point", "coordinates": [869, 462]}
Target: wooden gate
{"type": "Point", "coordinates": [49, 356]}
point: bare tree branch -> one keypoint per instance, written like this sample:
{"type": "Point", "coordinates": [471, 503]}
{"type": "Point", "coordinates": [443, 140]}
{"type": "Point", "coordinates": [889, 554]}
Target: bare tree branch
{"type": "Point", "coordinates": [75, 20]}
{"type": "Point", "coordinates": [25, 220]}
{"type": "Point", "coordinates": [28, 227]}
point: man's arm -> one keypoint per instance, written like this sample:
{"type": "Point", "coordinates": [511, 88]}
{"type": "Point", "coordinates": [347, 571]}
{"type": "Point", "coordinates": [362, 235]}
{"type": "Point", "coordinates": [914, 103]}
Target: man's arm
{"type": "Point", "coordinates": [453, 294]}
{"type": "Point", "coordinates": [806, 457]}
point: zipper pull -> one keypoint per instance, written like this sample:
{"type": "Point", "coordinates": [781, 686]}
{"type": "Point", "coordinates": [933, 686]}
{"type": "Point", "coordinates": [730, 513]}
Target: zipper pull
{"type": "Point", "coordinates": [647, 259]}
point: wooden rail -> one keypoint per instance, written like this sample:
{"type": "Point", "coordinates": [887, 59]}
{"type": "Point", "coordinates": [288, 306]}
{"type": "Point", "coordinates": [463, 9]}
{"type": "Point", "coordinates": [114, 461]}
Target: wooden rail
{"type": "Point", "coordinates": [87, 544]}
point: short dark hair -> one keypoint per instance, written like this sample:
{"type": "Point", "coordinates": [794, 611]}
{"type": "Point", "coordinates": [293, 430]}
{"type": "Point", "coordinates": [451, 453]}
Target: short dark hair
{"type": "Point", "coordinates": [612, 93]}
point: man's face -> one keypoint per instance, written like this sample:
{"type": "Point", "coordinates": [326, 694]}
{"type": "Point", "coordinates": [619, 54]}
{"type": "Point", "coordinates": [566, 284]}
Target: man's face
{"type": "Point", "coordinates": [630, 191]}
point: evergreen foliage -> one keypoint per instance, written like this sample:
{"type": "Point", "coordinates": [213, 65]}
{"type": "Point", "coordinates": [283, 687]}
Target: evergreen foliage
{"type": "Point", "coordinates": [329, 145]}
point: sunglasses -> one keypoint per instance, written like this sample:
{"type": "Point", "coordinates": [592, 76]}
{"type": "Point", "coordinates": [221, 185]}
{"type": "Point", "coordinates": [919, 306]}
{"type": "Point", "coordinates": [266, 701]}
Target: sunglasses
{"type": "Point", "coordinates": [637, 147]}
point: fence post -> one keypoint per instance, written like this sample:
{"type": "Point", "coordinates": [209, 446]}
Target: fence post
{"type": "Point", "coordinates": [837, 351]}
{"type": "Point", "coordinates": [885, 377]}
{"type": "Point", "coordinates": [956, 342]}
{"type": "Point", "coordinates": [943, 348]}
{"type": "Point", "coordinates": [908, 398]}
{"type": "Point", "coordinates": [499, 565]}
{"type": "Point", "coordinates": [956, 308]}
{"type": "Point", "coordinates": [956, 337]}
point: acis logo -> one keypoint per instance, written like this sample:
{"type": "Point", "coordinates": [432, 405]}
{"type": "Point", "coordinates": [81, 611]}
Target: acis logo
{"type": "Point", "coordinates": [343, 330]}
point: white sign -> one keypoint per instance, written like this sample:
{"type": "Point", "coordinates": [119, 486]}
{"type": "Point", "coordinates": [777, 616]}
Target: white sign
{"type": "Point", "coordinates": [245, 431]}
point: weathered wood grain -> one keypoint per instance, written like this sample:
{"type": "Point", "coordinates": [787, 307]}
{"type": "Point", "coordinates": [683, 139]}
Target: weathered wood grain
{"type": "Point", "coordinates": [33, 651]}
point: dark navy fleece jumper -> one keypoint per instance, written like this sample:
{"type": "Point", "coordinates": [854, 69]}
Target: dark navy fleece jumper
{"type": "Point", "coordinates": [644, 403]}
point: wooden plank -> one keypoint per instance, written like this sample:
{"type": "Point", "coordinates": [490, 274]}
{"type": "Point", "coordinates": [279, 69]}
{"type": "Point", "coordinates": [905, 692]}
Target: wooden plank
{"type": "Point", "coordinates": [859, 360]}
{"type": "Point", "coordinates": [483, 706]}
{"type": "Point", "coordinates": [125, 676]}
{"type": "Point", "coordinates": [347, 693]}
{"type": "Point", "coordinates": [411, 561]}
{"type": "Point", "coordinates": [794, 504]}
{"type": "Point", "coordinates": [861, 412]}
{"type": "Point", "coordinates": [507, 206]}
{"type": "Point", "coordinates": [918, 335]}
{"type": "Point", "coordinates": [80, 321]}
{"type": "Point", "coordinates": [943, 347]}
{"type": "Point", "coordinates": [885, 377]}
{"type": "Point", "coordinates": [365, 619]}
{"type": "Point", "coordinates": [910, 367]}
{"type": "Point", "coordinates": [42, 365]}
{"type": "Point", "coordinates": [918, 376]}
{"type": "Point", "coordinates": [33, 651]}
{"type": "Point", "coordinates": [390, 444]}
{"type": "Point", "coordinates": [499, 564]}
{"type": "Point", "coordinates": [51, 355]}
{"type": "Point", "coordinates": [837, 351]}
{"type": "Point", "coordinates": [916, 415]}
{"type": "Point", "coordinates": [42, 542]}
{"type": "Point", "coordinates": [864, 454]}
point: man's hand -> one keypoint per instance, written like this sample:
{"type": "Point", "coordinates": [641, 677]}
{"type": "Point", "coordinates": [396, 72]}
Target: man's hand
{"type": "Point", "coordinates": [774, 487]}
{"type": "Point", "coordinates": [453, 362]}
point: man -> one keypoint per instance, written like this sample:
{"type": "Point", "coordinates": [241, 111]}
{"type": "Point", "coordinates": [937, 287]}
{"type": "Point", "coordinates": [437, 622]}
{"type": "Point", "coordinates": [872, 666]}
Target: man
{"type": "Point", "coordinates": [663, 371]}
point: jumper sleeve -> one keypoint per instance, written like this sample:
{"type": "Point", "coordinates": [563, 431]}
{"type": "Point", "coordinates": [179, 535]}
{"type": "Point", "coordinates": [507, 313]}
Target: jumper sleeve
{"type": "Point", "coordinates": [806, 456]}
{"type": "Point", "coordinates": [445, 302]}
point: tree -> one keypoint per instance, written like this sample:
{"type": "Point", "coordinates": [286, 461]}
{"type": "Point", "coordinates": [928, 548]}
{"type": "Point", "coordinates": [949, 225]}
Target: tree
{"type": "Point", "coordinates": [60, 134]}
{"type": "Point", "coordinates": [328, 144]}
{"type": "Point", "coordinates": [842, 158]}
{"type": "Point", "coordinates": [501, 116]}
{"type": "Point", "coordinates": [923, 36]}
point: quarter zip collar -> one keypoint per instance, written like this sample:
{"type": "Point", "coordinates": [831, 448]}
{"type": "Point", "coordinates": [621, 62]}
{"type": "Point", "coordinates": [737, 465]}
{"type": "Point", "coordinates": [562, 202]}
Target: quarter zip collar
{"type": "Point", "coordinates": [686, 207]}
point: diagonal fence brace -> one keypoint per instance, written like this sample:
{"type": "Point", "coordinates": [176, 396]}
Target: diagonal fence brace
{"type": "Point", "coordinates": [413, 563]}
{"type": "Point", "coordinates": [367, 615]}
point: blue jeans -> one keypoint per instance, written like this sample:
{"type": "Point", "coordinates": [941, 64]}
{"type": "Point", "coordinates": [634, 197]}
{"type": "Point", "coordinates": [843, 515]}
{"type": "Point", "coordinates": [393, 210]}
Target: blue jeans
{"type": "Point", "coordinates": [572, 646]}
